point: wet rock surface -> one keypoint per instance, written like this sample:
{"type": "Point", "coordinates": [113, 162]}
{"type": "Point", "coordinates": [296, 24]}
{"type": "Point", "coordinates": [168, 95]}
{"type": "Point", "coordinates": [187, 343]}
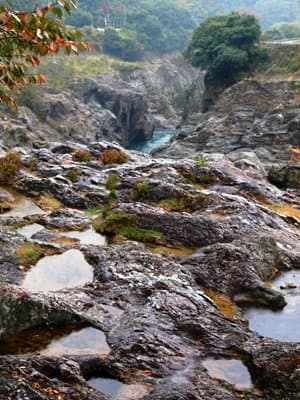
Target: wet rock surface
{"type": "Point", "coordinates": [262, 117]}
{"type": "Point", "coordinates": [162, 315]}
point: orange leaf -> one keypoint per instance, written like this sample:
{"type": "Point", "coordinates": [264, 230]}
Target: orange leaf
{"type": "Point", "coordinates": [41, 78]}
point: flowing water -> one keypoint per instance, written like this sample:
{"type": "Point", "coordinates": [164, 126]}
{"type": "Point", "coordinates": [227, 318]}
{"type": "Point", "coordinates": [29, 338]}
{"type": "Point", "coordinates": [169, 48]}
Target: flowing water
{"type": "Point", "coordinates": [232, 371]}
{"type": "Point", "coordinates": [52, 273]}
{"type": "Point", "coordinates": [159, 138]}
{"type": "Point", "coordinates": [281, 324]}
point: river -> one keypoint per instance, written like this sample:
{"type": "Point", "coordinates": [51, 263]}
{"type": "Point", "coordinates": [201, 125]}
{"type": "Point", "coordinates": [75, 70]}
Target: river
{"type": "Point", "coordinates": [160, 137]}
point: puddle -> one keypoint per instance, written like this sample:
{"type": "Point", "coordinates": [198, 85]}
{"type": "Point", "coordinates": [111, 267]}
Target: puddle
{"type": "Point", "coordinates": [23, 208]}
{"type": "Point", "coordinates": [57, 342]}
{"type": "Point", "coordinates": [29, 230]}
{"type": "Point", "coordinates": [282, 324]}
{"type": "Point", "coordinates": [117, 390]}
{"type": "Point", "coordinates": [51, 273]}
{"type": "Point", "coordinates": [88, 237]}
{"type": "Point", "coordinates": [232, 371]}
{"type": "Point", "coordinates": [86, 341]}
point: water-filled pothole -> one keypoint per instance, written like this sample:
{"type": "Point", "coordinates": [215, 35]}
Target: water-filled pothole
{"type": "Point", "coordinates": [232, 371]}
{"type": "Point", "coordinates": [283, 324]}
{"type": "Point", "coordinates": [52, 273]}
{"type": "Point", "coordinates": [29, 230]}
{"type": "Point", "coordinates": [23, 207]}
{"type": "Point", "coordinates": [117, 390]}
{"type": "Point", "coordinates": [57, 342]}
{"type": "Point", "coordinates": [88, 237]}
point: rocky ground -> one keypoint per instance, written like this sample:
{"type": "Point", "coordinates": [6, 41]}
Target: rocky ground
{"type": "Point", "coordinates": [189, 244]}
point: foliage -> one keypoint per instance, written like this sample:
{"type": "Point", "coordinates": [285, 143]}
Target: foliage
{"type": "Point", "coordinates": [113, 156]}
{"type": "Point", "coordinates": [25, 36]}
{"type": "Point", "coordinates": [140, 191]}
{"type": "Point", "coordinates": [201, 160]}
{"type": "Point", "coordinates": [48, 202]}
{"type": "Point", "coordinates": [283, 31]}
{"type": "Point", "coordinates": [82, 155]}
{"type": "Point", "coordinates": [134, 28]}
{"type": "Point", "coordinates": [226, 46]}
{"type": "Point", "coordinates": [10, 164]}
{"type": "Point", "coordinates": [117, 222]}
{"type": "Point", "coordinates": [29, 253]}
{"type": "Point", "coordinates": [112, 182]}
{"type": "Point", "coordinates": [73, 174]}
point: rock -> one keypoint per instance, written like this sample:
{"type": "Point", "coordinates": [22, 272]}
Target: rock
{"type": "Point", "coordinates": [286, 176]}
{"type": "Point", "coordinates": [159, 309]}
{"type": "Point", "coordinates": [249, 116]}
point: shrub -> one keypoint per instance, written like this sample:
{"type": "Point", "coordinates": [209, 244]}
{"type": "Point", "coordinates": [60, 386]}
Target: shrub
{"type": "Point", "coordinates": [82, 155]}
{"type": "Point", "coordinates": [113, 156]}
{"type": "Point", "coordinates": [10, 164]}
{"type": "Point", "coordinates": [73, 174]}
{"type": "Point", "coordinates": [201, 160]}
{"type": "Point", "coordinates": [112, 182]}
{"type": "Point", "coordinates": [140, 191]}
{"type": "Point", "coordinates": [121, 223]}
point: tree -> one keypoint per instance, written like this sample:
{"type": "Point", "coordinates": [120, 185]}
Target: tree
{"type": "Point", "coordinates": [25, 36]}
{"type": "Point", "coordinates": [226, 46]}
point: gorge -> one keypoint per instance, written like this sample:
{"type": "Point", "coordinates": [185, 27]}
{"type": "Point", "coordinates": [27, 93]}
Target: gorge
{"type": "Point", "coordinates": [169, 258]}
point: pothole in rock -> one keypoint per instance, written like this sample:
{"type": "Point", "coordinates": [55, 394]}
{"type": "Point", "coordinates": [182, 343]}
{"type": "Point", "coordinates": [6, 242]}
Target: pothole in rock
{"type": "Point", "coordinates": [57, 342]}
{"type": "Point", "coordinates": [23, 207]}
{"type": "Point", "coordinates": [117, 390]}
{"type": "Point", "coordinates": [232, 371]}
{"type": "Point", "coordinates": [282, 324]}
{"type": "Point", "coordinates": [29, 230]}
{"type": "Point", "coordinates": [88, 237]}
{"type": "Point", "coordinates": [56, 272]}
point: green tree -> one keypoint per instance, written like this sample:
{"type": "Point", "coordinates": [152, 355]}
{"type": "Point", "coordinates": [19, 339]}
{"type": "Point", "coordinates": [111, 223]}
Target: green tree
{"type": "Point", "coordinates": [25, 36]}
{"type": "Point", "coordinates": [226, 46]}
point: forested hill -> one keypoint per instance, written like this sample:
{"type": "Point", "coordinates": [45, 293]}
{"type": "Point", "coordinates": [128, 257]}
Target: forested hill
{"type": "Point", "coordinates": [135, 28]}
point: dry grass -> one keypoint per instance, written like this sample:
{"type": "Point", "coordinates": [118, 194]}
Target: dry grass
{"type": "Point", "coordinates": [113, 156]}
{"type": "Point", "coordinates": [82, 155]}
{"type": "Point", "coordinates": [29, 253]}
{"type": "Point", "coordinates": [10, 164]}
{"type": "Point", "coordinates": [49, 203]}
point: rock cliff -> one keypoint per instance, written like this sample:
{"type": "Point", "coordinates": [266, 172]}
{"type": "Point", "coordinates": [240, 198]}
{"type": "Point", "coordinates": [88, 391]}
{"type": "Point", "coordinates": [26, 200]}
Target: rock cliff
{"type": "Point", "coordinates": [163, 93]}
{"type": "Point", "coordinates": [262, 117]}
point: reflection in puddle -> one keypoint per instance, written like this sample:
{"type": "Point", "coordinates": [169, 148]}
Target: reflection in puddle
{"type": "Point", "coordinates": [232, 371]}
{"type": "Point", "coordinates": [88, 237]}
{"type": "Point", "coordinates": [29, 230]}
{"type": "Point", "coordinates": [23, 208]}
{"type": "Point", "coordinates": [57, 342]}
{"type": "Point", "coordinates": [282, 324]}
{"type": "Point", "coordinates": [86, 341]}
{"type": "Point", "coordinates": [118, 390]}
{"type": "Point", "coordinates": [56, 272]}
